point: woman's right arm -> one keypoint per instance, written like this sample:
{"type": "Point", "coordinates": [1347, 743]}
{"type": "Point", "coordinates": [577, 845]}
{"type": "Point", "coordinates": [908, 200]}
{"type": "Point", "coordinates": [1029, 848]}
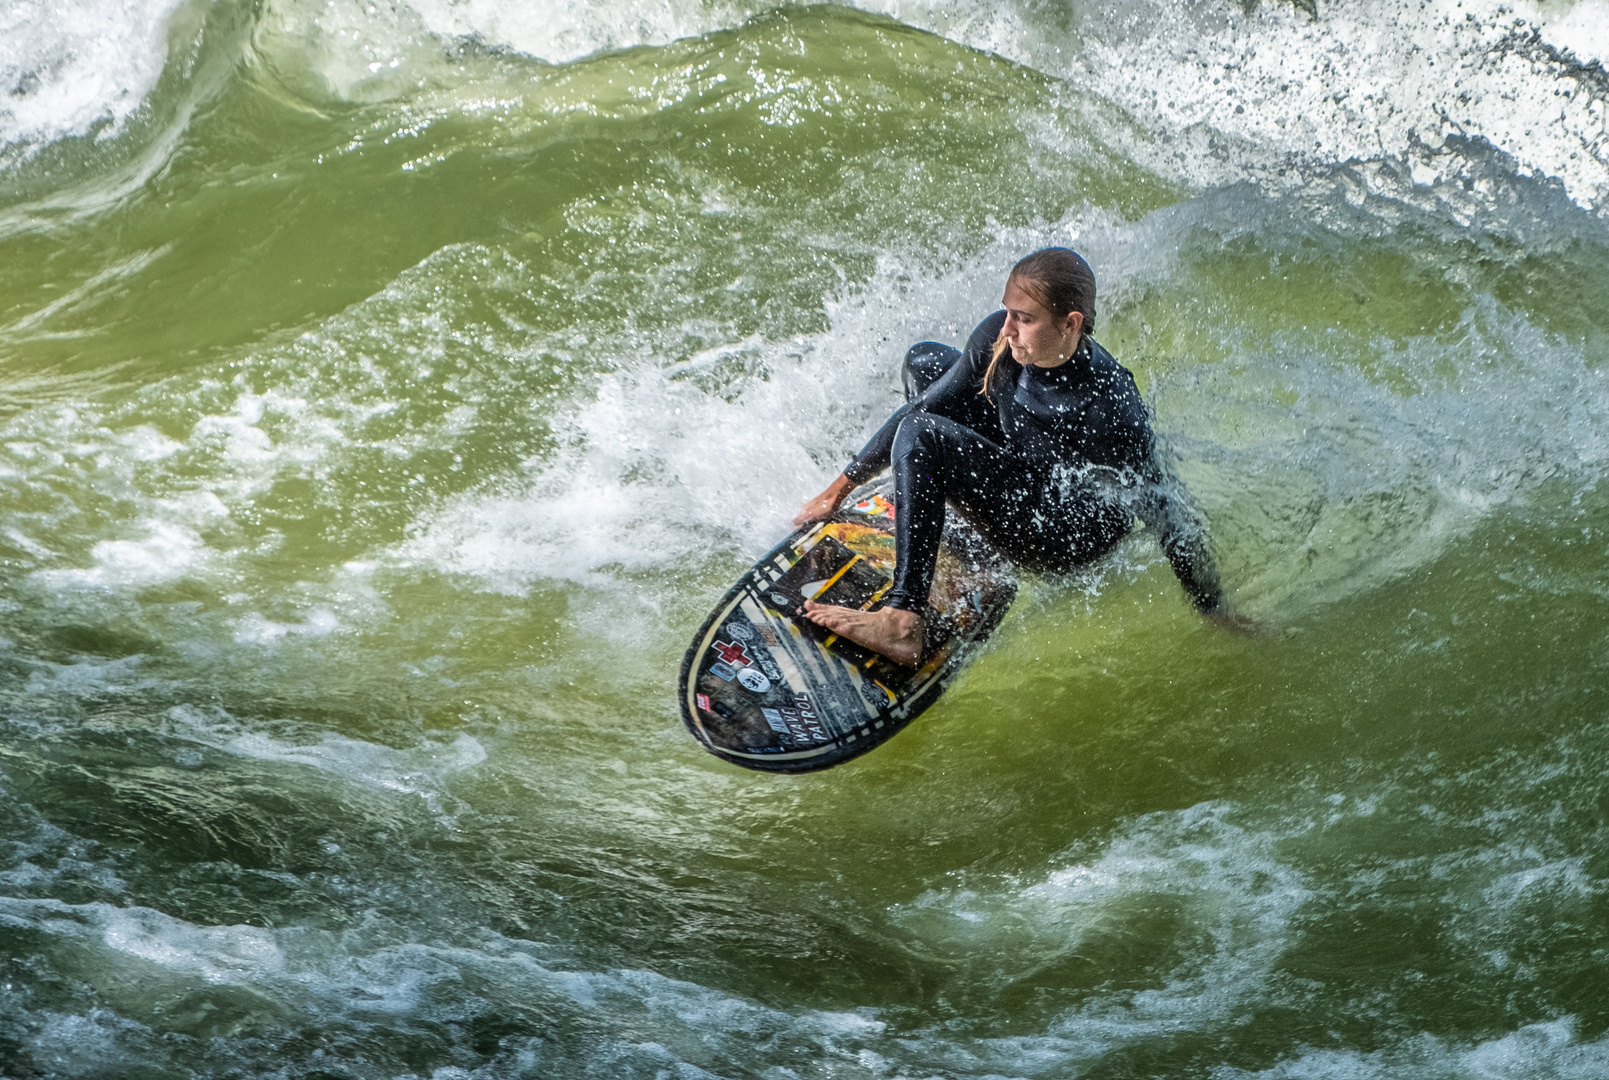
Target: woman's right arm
{"type": "Point", "coordinates": [823, 505]}
{"type": "Point", "coordinates": [950, 396]}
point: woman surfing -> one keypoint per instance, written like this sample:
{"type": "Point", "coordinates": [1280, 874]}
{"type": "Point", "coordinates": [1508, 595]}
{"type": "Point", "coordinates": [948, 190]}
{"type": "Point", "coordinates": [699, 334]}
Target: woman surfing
{"type": "Point", "coordinates": [1033, 433]}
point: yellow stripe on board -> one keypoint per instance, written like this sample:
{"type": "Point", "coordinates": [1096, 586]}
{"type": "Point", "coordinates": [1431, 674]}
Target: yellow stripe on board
{"type": "Point", "coordinates": [834, 579]}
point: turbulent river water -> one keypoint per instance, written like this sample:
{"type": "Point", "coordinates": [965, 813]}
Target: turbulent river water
{"type": "Point", "coordinates": [388, 389]}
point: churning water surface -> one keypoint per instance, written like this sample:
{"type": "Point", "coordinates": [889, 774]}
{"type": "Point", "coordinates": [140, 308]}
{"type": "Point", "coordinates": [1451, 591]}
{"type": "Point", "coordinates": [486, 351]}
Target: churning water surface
{"type": "Point", "coordinates": [388, 388]}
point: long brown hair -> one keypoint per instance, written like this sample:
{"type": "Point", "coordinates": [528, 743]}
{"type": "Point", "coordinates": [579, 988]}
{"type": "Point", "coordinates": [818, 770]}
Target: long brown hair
{"type": "Point", "coordinates": [1059, 280]}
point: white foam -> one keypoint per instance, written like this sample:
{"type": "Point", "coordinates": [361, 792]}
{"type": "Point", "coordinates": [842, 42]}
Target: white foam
{"type": "Point", "coordinates": [419, 770]}
{"type": "Point", "coordinates": [1219, 92]}
{"type": "Point", "coordinates": [560, 30]}
{"type": "Point", "coordinates": [1546, 1049]}
{"type": "Point", "coordinates": [165, 552]}
{"type": "Point", "coordinates": [354, 50]}
{"type": "Point", "coordinates": [1223, 880]}
{"type": "Point", "coordinates": [662, 465]}
{"type": "Point", "coordinates": [1367, 79]}
{"type": "Point", "coordinates": [140, 939]}
{"type": "Point", "coordinates": [1580, 27]}
{"type": "Point", "coordinates": [255, 629]}
{"type": "Point", "coordinates": [583, 518]}
{"type": "Point", "coordinates": [76, 67]}
{"type": "Point", "coordinates": [163, 974]}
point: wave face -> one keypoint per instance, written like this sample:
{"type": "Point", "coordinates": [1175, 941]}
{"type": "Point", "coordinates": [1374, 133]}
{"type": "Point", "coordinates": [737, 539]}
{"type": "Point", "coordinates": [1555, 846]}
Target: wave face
{"type": "Point", "coordinates": [390, 388]}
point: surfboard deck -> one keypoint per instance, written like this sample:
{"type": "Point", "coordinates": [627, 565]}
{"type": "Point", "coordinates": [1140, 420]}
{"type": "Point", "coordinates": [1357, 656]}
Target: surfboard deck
{"type": "Point", "coordinates": [765, 689]}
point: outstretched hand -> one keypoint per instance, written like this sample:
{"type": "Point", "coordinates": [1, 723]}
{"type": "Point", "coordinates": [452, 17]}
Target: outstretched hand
{"type": "Point", "coordinates": [823, 505]}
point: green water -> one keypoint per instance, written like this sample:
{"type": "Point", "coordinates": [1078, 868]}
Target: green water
{"type": "Point", "coordinates": [387, 392]}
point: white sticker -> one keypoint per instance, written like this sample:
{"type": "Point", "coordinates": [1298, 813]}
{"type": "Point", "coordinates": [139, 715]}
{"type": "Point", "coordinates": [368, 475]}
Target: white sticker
{"type": "Point", "coordinates": [774, 718]}
{"type": "Point", "coordinates": [740, 631]}
{"type": "Point", "coordinates": [754, 680]}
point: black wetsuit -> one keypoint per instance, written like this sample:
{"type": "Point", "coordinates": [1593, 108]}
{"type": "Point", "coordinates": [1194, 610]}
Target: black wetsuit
{"type": "Point", "coordinates": [1052, 470]}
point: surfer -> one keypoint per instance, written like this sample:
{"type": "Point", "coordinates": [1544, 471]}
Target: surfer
{"type": "Point", "coordinates": [1037, 436]}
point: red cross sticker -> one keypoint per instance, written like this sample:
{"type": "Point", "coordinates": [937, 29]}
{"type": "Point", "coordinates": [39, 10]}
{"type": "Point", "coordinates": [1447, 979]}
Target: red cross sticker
{"type": "Point", "coordinates": [732, 654]}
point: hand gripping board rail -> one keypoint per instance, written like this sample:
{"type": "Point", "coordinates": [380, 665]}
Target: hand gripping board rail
{"type": "Point", "coordinates": [765, 689]}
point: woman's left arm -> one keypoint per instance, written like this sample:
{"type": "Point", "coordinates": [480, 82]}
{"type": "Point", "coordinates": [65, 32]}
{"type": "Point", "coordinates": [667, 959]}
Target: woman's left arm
{"type": "Point", "coordinates": [1164, 505]}
{"type": "Point", "coordinates": [1184, 541]}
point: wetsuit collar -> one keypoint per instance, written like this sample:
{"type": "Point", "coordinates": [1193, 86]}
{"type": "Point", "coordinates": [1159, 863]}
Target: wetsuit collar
{"type": "Point", "coordinates": [1078, 366]}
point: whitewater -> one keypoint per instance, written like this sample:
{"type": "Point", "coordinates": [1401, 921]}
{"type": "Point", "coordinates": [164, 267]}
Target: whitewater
{"type": "Point", "coordinates": [387, 389]}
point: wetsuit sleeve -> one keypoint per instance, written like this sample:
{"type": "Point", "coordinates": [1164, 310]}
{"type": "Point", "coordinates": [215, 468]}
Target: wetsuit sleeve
{"type": "Point", "coordinates": [1184, 542]}
{"type": "Point", "coordinates": [1165, 507]}
{"type": "Point", "coordinates": [950, 396]}
{"type": "Point", "coordinates": [1163, 504]}
{"type": "Point", "coordinates": [874, 456]}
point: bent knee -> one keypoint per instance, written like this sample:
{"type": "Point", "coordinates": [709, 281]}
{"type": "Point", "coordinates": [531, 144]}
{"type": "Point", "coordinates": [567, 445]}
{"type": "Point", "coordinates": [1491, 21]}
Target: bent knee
{"type": "Point", "coordinates": [926, 352]}
{"type": "Point", "coordinates": [924, 363]}
{"type": "Point", "coordinates": [918, 429]}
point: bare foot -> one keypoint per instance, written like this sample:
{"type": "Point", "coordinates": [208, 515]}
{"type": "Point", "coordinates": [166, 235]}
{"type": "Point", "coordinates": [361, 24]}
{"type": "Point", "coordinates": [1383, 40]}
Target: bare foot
{"type": "Point", "coordinates": [894, 632]}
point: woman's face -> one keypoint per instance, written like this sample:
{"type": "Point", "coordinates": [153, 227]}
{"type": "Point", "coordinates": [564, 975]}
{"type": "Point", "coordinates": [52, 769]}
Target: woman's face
{"type": "Point", "coordinates": [1035, 335]}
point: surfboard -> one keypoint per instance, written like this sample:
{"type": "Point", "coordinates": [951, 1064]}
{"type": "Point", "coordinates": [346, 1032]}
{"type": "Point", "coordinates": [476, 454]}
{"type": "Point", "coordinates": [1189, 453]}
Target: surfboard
{"type": "Point", "coordinates": [763, 688]}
